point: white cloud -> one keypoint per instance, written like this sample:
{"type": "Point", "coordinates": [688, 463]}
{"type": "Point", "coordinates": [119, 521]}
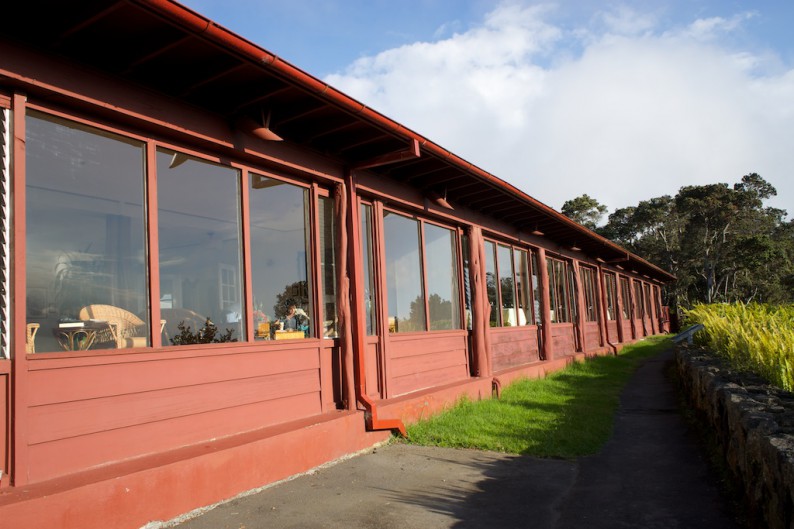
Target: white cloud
{"type": "Point", "coordinates": [640, 112]}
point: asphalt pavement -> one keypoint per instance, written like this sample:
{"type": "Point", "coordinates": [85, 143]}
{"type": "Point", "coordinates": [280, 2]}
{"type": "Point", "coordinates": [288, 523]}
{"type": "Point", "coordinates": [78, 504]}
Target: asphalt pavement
{"type": "Point", "coordinates": [651, 474]}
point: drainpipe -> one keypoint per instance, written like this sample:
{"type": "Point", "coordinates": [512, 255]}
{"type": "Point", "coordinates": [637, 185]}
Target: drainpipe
{"type": "Point", "coordinates": [354, 341]}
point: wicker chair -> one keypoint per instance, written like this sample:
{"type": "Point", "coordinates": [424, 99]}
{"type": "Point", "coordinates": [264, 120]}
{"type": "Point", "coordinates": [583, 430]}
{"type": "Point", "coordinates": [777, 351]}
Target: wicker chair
{"type": "Point", "coordinates": [30, 337]}
{"type": "Point", "coordinates": [125, 329]}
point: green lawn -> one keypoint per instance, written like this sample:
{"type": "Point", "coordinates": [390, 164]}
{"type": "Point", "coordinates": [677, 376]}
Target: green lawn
{"type": "Point", "coordinates": [568, 414]}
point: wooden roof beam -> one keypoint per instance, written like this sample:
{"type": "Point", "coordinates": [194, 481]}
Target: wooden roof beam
{"type": "Point", "coordinates": [413, 151]}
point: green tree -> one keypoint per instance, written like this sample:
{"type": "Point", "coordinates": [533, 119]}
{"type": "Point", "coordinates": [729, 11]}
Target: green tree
{"type": "Point", "coordinates": [585, 210]}
{"type": "Point", "coordinates": [720, 241]}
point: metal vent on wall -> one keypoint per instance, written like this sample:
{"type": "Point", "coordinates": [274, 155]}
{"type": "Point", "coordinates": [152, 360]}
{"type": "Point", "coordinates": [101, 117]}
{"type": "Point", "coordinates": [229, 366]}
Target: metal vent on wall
{"type": "Point", "coordinates": [5, 172]}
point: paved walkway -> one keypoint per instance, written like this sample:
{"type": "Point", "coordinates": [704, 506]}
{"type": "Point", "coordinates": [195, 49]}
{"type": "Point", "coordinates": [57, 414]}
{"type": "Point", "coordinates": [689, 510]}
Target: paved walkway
{"type": "Point", "coordinates": [649, 475]}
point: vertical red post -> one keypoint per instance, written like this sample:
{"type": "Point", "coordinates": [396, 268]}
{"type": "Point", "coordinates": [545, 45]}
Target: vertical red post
{"type": "Point", "coordinates": [545, 313]}
{"type": "Point", "coordinates": [19, 368]}
{"type": "Point", "coordinates": [480, 316]}
{"type": "Point", "coordinates": [154, 243]}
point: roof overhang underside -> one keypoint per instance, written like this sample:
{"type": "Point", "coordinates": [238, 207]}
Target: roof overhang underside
{"type": "Point", "coordinates": [165, 47]}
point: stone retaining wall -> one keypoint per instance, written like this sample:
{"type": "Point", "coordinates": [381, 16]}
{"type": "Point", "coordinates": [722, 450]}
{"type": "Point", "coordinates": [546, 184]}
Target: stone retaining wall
{"type": "Point", "coordinates": [754, 427]}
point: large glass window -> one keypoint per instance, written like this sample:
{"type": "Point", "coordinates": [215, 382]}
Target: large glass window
{"type": "Point", "coordinates": [504, 261]}
{"type": "Point", "coordinates": [328, 265]}
{"type": "Point", "coordinates": [590, 293]}
{"type": "Point", "coordinates": [638, 302]}
{"type": "Point", "coordinates": [367, 258]}
{"type": "Point", "coordinates": [563, 306]}
{"type": "Point", "coordinates": [442, 278]}
{"type": "Point", "coordinates": [199, 235]}
{"type": "Point", "coordinates": [85, 243]}
{"type": "Point", "coordinates": [625, 295]}
{"type": "Point", "coordinates": [405, 291]}
{"type": "Point", "coordinates": [523, 289]}
{"type": "Point", "coordinates": [280, 257]}
{"type": "Point", "coordinates": [610, 285]}
{"type": "Point", "coordinates": [536, 294]}
{"type": "Point", "coordinates": [491, 282]}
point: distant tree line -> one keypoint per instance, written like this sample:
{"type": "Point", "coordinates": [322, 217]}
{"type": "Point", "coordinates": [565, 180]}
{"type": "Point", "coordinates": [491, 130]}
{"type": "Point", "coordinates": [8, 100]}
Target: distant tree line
{"type": "Point", "coordinates": [720, 241]}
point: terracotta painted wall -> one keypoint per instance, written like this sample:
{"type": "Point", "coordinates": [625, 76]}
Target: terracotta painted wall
{"type": "Point", "coordinates": [592, 335]}
{"type": "Point", "coordinates": [421, 361]}
{"type": "Point", "coordinates": [111, 408]}
{"type": "Point", "coordinates": [513, 346]}
{"type": "Point", "coordinates": [563, 339]}
{"type": "Point", "coordinates": [612, 331]}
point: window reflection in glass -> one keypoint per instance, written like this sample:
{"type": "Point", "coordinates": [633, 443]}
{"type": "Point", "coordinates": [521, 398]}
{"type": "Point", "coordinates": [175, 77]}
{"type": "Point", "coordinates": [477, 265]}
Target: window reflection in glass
{"type": "Point", "coordinates": [328, 265]}
{"type": "Point", "coordinates": [524, 300]}
{"type": "Point", "coordinates": [199, 236]}
{"type": "Point", "coordinates": [466, 280]}
{"type": "Point", "coordinates": [490, 283]}
{"type": "Point", "coordinates": [611, 289]}
{"type": "Point", "coordinates": [638, 302]}
{"type": "Point", "coordinates": [442, 278]}
{"type": "Point", "coordinates": [572, 297]}
{"type": "Point", "coordinates": [561, 295]}
{"type": "Point", "coordinates": [506, 285]}
{"type": "Point", "coordinates": [590, 299]}
{"type": "Point", "coordinates": [536, 288]}
{"type": "Point", "coordinates": [85, 230]}
{"type": "Point", "coordinates": [369, 301]}
{"type": "Point", "coordinates": [625, 294]}
{"type": "Point", "coordinates": [280, 257]}
{"type": "Point", "coordinates": [405, 291]}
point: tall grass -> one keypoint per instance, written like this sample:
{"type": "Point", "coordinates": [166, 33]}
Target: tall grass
{"type": "Point", "coordinates": [753, 337]}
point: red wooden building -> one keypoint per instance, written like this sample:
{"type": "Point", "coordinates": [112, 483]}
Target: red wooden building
{"type": "Point", "coordinates": [160, 172]}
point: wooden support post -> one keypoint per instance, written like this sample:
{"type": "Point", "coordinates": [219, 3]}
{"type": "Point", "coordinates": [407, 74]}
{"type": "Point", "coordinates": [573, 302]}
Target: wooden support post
{"type": "Point", "coordinates": [545, 313]}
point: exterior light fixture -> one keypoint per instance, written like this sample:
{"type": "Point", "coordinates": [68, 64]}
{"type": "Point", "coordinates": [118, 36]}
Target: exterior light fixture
{"type": "Point", "coordinates": [259, 130]}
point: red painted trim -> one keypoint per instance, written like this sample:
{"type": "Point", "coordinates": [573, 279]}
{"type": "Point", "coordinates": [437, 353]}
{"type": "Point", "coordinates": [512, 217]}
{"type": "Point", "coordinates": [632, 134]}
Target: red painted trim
{"type": "Point", "coordinates": [154, 244]}
{"type": "Point", "coordinates": [245, 236]}
{"type": "Point", "coordinates": [19, 367]}
{"type": "Point", "coordinates": [423, 263]}
{"type": "Point", "coordinates": [379, 280]}
{"type": "Point", "coordinates": [313, 268]}
{"type": "Point", "coordinates": [358, 327]}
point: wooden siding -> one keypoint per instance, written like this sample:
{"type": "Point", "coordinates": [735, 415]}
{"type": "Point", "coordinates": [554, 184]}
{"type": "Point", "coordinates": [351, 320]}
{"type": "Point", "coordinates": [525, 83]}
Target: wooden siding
{"type": "Point", "coordinates": [612, 331]}
{"type": "Point", "coordinates": [372, 361]}
{"type": "Point", "coordinates": [4, 427]}
{"type": "Point", "coordinates": [592, 335]}
{"type": "Point", "coordinates": [639, 325]}
{"type": "Point", "coordinates": [127, 406]}
{"type": "Point", "coordinates": [628, 335]}
{"type": "Point", "coordinates": [421, 361]}
{"type": "Point", "coordinates": [563, 339]}
{"type": "Point", "coordinates": [513, 346]}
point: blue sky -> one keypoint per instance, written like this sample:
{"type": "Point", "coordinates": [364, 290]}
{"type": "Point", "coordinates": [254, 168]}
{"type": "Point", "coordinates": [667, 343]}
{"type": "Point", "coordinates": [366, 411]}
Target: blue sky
{"type": "Point", "coordinates": [621, 100]}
